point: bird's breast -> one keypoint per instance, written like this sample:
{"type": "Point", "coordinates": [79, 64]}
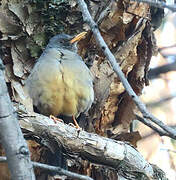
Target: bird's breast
{"type": "Point", "coordinates": [61, 88]}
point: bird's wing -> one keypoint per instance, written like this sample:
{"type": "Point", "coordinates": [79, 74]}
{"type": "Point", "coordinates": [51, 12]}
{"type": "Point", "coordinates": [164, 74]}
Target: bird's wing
{"type": "Point", "coordinates": [44, 83]}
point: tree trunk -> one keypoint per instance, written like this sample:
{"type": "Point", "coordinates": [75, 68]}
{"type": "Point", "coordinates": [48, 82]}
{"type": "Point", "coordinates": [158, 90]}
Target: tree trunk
{"type": "Point", "coordinates": [25, 28]}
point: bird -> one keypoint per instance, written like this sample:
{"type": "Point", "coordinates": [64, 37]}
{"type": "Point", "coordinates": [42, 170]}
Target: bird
{"type": "Point", "coordinates": [60, 83]}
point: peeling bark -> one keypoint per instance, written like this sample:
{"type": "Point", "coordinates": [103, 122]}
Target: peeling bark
{"type": "Point", "coordinates": [25, 28]}
{"type": "Point", "coordinates": [92, 147]}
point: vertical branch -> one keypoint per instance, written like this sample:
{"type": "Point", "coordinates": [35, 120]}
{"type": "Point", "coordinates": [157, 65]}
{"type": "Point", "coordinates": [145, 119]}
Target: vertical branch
{"type": "Point", "coordinates": [18, 156]}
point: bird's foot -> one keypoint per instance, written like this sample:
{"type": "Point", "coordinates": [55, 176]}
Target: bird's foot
{"type": "Point", "coordinates": [71, 124]}
{"type": "Point", "coordinates": [75, 126]}
{"type": "Point", "coordinates": [76, 123]}
{"type": "Point", "coordinates": [55, 119]}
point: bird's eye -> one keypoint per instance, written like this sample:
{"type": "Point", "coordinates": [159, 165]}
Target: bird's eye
{"type": "Point", "coordinates": [62, 41]}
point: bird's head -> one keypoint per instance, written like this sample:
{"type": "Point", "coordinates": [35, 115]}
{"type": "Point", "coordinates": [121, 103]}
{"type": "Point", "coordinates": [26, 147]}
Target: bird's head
{"type": "Point", "coordinates": [65, 41]}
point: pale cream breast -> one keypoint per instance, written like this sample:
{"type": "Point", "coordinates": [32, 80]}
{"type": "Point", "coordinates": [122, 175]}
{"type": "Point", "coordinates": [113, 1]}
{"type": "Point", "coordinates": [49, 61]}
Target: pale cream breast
{"type": "Point", "coordinates": [61, 86]}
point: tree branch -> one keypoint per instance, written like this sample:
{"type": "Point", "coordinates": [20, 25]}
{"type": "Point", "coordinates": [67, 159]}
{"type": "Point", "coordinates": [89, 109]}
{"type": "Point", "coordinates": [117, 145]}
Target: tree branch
{"type": "Point", "coordinates": [155, 72]}
{"type": "Point", "coordinates": [18, 156]}
{"type": "Point", "coordinates": [162, 100]}
{"type": "Point", "coordinates": [158, 4]}
{"type": "Point", "coordinates": [101, 43]}
{"type": "Point", "coordinates": [149, 124]}
{"type": "Point", "coordinates": [96, 149]}
{"type": "Point", "coordinates": [166, 47]}
{"type": "Point", "coordinates": [55, 169]}
{"type": "Point", "coordinates": [153, 133]}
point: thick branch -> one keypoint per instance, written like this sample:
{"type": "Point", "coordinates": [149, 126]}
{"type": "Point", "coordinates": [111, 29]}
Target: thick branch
{"type": "Point", "coordinates": [16, 149]}
{"type": "Point", "coordinates": [89, 146]}
{"type": "Point", "coordinates": [101, 43]}
{"type": "Point", "coordinates": [58, 170]}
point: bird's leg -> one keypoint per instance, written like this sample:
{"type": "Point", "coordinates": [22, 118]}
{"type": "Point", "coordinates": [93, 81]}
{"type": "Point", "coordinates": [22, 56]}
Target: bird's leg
{"type": "Point", "coordinates": [75, 122]}
{"type": "Point", "coordinates": [55, 119]}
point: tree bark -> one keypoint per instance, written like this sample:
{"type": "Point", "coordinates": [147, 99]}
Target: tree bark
{"type": "Point", "coordinates": [18, 155]}
{"type": "Point", "coordinates": [26, 27]}
{"type": "Point", "coordinates": [89, 146]}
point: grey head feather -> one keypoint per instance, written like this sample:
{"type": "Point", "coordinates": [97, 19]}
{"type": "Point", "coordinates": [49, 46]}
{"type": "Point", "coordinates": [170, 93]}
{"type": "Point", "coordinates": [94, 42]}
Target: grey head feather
{"type": "Point", "coordinates": [62, 41]}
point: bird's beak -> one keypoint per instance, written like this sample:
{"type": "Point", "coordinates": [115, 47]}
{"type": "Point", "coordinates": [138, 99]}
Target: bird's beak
{"type": "Point", "coordinates": [78, 37]}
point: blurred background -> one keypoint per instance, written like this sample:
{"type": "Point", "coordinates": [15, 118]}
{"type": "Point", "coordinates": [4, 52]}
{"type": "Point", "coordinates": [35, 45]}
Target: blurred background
{"type": "Point", "coordinates": [160, 98]}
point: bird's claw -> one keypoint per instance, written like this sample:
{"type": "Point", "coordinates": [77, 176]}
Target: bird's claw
{"type": "Point", "coordinates": [75, 126]}
{"type": "Point", "coordinates": [55, 119]}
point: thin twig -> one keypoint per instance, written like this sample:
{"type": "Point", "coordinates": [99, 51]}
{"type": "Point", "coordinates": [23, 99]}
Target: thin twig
{"type": "Point", "coordinates": [100, 41]}
{"type": "Point", "coordinates": [168, 150]}
{"type": "Point", "coordinates": [55, 169]}
{"type": "Point", "coordinates": [166, 47]}
{"type": "Point", "coordinates": [149, 124]}
{"type": "Point", "coordinates": [153, 133]}
{"type": "Point", "coordinates": [158, 4]}
{"type": "Point", "coordinates": [159, 102]}
{"type": "Point", "coordinates": [156, 72]}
